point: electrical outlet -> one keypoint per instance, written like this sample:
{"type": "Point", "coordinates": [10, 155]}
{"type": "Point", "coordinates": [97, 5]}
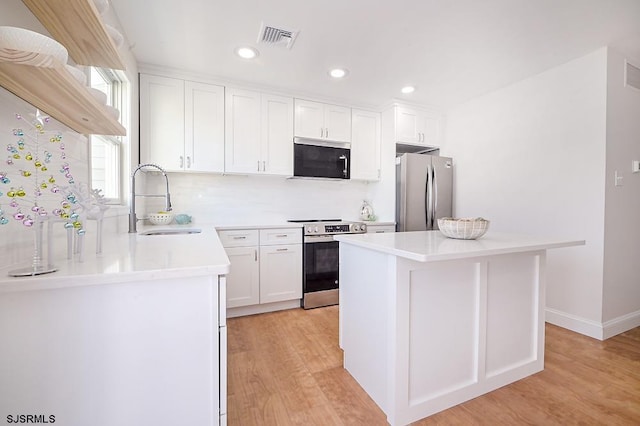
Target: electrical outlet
{"type": "Point", "coordinates": [636, 166]}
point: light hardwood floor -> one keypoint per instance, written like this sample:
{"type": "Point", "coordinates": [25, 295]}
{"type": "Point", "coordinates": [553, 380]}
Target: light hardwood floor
{"type": "Point", "coordinates": [285, 368]}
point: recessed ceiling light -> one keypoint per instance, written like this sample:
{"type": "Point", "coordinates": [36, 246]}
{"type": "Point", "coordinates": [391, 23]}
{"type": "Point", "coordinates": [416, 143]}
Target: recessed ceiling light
{"type": "Point", "coordinates": [338, 73]}
{"type": "Point", "coordinates": [408, 89]}
{"type": "Point", "coordinates": [246, 52]}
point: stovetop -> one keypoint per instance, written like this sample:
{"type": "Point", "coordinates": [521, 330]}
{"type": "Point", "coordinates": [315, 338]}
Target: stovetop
{"type": "Point", "coordinates": [331, 226]}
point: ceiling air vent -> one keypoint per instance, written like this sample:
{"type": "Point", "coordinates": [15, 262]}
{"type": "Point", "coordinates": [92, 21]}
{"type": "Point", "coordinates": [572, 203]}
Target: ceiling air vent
{"type": "Point", "coordinates": [277, 36]}
{"type": "Point", "coordinates": [632, 76]}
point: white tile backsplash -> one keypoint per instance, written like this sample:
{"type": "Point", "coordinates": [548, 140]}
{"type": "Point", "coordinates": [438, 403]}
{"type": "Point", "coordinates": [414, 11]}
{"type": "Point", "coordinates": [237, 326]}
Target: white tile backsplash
{"type": "Point", "coordinates": [234, 199]}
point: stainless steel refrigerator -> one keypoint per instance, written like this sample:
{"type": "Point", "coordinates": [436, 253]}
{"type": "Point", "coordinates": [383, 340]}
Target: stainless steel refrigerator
{"type": "Point", "coordinates": [424, 191]}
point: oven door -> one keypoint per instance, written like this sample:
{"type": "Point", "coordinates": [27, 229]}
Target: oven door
{"type": "Point", "coordinates": [321, 256]}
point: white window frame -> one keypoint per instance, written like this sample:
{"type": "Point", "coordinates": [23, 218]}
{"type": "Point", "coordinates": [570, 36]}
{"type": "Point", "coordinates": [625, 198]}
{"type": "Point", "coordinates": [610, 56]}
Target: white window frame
{"type": "Point", "coordinates": [115, 145]}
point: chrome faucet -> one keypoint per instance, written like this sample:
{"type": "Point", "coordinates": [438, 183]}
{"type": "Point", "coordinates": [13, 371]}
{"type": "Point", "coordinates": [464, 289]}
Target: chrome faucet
{"type": "Point", "coordinates": [132, 211]}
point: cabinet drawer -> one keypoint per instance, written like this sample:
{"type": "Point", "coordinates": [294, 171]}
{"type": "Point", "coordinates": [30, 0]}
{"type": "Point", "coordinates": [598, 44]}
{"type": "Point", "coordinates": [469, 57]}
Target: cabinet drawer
{"type": "Point", "coordinates": [239, 238]}
{"type": "Point", "coordinates": [270, 237]}
{"type": "Point", "coordinates": [377, 229]}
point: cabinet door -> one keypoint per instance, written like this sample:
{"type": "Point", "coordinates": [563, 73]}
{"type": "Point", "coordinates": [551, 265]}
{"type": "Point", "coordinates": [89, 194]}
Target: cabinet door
{"type": "Point", "coordinates": [242, 131]}
{"type": "Point", "coordinates": [365, 145]}
{"type": "Point", "coordinates": [337, 123]}
{"type": "Point", "coordinates": [408, 126]}
{"type": "Point", "coordinates": [309, 119]}
{"type": "Point", "coordinates": [204, 127]}
{"type": "Point", "coordinates": [431, 130]}
{"type": "Point", "coordinates": [243, 285]}
{"type": "Point", "coordinates": [280, 273]}
{"type": "Point", "coordinates": [277, 135]}
{"type": "Point", "coordinates": [162, 122]}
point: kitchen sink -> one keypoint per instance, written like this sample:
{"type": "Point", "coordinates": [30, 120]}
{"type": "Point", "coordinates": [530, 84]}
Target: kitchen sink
{"type": "Point", "coordinates": [171, 231]}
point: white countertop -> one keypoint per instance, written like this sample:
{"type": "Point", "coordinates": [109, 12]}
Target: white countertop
{"type": "Point", "coordinates": [127, 257]}
{"type": "Point", "coordinates": [431, 246]}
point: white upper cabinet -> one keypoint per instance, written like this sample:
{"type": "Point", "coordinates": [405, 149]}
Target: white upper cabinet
{"type": "Point", "coordinates": [242, 131]}
{"type": "Point", "coordinates": [161, 121]}
{"type": "Point", "coordinates": [259, 133]}
{"type": "Point", "coordinates": [204, 127]}
{"type": "Point", "coordinates": [365, 145]}
{"type": "Point", "coordinates": [181, 124]}
{"type": "Point", "coordinates": [317, 120]}
{"type": "Point", "coordinates": [417, 127]}
{"type": "Point", "coordinates": [277, 135]}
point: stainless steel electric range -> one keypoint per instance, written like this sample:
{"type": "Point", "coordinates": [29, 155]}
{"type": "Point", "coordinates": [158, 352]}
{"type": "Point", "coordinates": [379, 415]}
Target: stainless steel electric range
{"type": "Point", "coordinates": [320, 268]}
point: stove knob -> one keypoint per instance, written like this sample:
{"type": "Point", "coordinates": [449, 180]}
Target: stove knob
{"type": "Point", "coordinates": [309, 230]}
{"type": "Point", "coordinates": [315, 229]}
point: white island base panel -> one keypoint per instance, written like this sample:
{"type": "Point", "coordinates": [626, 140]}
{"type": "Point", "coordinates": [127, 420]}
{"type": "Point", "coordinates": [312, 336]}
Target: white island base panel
{"type": "Point", "coordinates": [139, 352]}
{"type": "Point", "coordinates": [421, 337]}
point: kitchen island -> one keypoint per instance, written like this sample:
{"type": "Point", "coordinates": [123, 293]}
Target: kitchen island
{"type": "Point", "coordinates": [428, 322]}
{"type": "Point", "coordinates": [135, 335]}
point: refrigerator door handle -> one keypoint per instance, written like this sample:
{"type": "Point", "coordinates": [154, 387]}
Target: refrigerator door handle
{"type": "Point", "coordinates": [427, 198]}
{"type": "Point", "coordinates": [434, 198]}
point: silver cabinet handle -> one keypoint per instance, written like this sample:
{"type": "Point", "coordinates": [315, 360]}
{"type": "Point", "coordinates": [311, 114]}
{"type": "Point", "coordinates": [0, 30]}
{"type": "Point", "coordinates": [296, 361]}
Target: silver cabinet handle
{"type": "Point", "coordinates": [188, 162]}
{"type": "Point", "coordinates": [255, 255]}
{"type": "Point", "coordinates": [282, 249]}
{"type": "Point", "coordinates": [281, 236]}
{"type": "Point", "coordinates": [326, 132]}
{"type": "Point", "coordinates": [264, 166]}
{"type": "Point", "coordinates": [258, 165]}
{"type": "Point", "coordinates": [321, 132]}
{"type": "Point", "coordinates": [240, 238]}
{"type": "Point", "coordinates": [181, 161]}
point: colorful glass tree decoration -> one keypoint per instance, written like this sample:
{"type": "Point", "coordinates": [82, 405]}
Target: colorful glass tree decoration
{"type": "Point", "coordinates": [38, 185]}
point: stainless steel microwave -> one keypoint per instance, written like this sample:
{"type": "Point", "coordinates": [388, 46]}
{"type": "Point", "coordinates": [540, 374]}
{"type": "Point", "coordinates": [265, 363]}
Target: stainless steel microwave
{"type": "Point", "coordinates": [321, 159]}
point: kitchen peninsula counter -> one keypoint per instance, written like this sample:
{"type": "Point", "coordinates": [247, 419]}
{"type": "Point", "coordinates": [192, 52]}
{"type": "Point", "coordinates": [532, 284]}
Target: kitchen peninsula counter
{"type": "Point", "coordinates": [428, 322]}
{"type": "Point", "coordinates": [126, 257]}
{"type": "Point", "coordinates": [134, 335]}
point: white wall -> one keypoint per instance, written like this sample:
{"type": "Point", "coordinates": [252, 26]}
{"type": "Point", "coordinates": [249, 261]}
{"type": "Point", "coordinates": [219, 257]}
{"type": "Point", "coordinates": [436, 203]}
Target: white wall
{"type": "Point", "coordinates": [622, 214]}
{"type": "Point", "coordinates": [530, 158]}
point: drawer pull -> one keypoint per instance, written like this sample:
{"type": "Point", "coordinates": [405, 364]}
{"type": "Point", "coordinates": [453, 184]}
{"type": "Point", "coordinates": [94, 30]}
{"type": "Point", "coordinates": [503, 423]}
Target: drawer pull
{"type": "Point", "coordinates": [282, 236]}
{"type": "Point", "coordinates": [240, 238]}
{"type": "Point", "coordinates": [282, 249]}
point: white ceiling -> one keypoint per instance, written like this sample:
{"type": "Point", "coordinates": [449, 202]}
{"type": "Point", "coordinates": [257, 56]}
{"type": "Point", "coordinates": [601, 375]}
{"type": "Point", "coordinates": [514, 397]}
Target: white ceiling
{"type": "Point", "coordinates": [451, 50]}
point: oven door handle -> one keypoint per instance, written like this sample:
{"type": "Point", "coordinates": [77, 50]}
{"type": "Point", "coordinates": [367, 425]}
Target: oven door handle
{"type": "Point", "coordinates": [310, 239]}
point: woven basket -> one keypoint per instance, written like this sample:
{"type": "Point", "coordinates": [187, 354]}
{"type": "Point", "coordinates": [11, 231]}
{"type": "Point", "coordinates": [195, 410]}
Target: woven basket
{"type": "Point", "coordinates": [463, 228]}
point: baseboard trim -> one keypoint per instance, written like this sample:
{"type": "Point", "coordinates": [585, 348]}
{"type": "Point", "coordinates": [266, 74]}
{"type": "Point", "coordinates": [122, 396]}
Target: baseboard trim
{"type": "Point", "coordinates": [261, 309]}
{"type": "Point", "coordinates": [600, 331]}
{"type": "Point", "coordinates": [574, 323]}
{"type": "Point", "coordinates": [621, 324]}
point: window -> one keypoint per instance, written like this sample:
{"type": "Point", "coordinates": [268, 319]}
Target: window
{"type": "Point", "coordinates": [106, 151]}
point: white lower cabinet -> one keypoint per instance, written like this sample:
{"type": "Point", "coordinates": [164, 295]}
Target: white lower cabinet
{"type": "Point", "coordinates": [243, 280]}
{"type": "Point", "coordinates": [280, 273]}
{"type": "Point", "coordinates": [266, 267]}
